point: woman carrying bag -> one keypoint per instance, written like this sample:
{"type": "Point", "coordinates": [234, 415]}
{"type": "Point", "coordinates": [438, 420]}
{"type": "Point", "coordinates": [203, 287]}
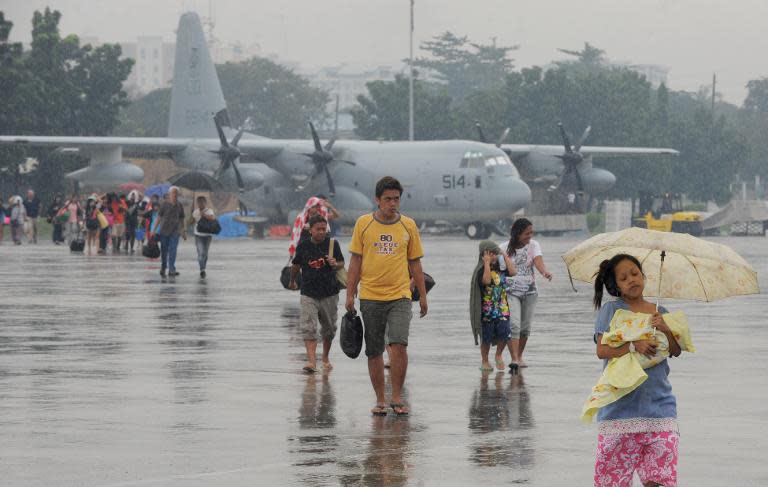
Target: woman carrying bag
{"type": "Point", "coordinates": [206, 227]}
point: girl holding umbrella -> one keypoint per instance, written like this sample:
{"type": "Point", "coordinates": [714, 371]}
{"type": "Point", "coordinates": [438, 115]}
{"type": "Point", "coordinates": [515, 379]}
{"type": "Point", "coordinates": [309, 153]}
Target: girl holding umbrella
{"type": "Point", "coordinates": [638, 431]}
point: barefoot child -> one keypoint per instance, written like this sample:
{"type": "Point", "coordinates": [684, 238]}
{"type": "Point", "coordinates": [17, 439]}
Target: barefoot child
{"type": "Point", "coordinates": [488, 306]}
{"type": "Point", "coordinates": [318, 258]}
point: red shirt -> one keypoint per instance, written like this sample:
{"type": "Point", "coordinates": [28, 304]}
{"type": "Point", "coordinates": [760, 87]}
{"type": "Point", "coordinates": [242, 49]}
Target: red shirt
{"type": "Point", "coordinates": [118, 211]}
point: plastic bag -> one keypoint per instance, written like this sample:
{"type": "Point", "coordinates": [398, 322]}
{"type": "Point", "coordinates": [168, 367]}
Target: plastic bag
{"type": "Point", "coordinates": [429, 283]}
{"type": "Point", "coordinates": [351, 339]}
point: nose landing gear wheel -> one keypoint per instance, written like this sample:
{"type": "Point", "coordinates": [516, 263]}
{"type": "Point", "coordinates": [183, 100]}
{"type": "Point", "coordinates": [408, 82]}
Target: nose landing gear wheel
{"type": "Point", "coordinates": [477, 231]}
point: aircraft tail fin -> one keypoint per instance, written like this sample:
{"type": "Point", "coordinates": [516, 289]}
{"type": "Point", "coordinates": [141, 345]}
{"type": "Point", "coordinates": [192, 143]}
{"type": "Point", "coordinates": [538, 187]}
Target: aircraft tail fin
{"type": "Point", "coordinates": [196, 94]}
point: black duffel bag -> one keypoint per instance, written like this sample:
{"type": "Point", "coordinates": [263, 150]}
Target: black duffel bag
{"type": "Point", "coordinates": [285, 278]}
{"type": "Point", "coordinates": [351, 334]}
{"type": "Point", "coordinates": [77, 245]}
{"type": "Point", "coordinates": [429, 283]}
{"type": "Point", "coordinates": [211, 227]}
{"type": "Point", "coordinates": [151, 250]}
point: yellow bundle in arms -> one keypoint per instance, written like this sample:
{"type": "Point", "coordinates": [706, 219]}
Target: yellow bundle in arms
{"type": "Point", "coordinates": [624, 374]}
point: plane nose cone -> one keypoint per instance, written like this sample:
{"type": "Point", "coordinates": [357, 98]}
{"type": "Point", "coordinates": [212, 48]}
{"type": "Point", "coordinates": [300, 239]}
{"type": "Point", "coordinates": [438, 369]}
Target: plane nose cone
{"type": "Point", "coordinates": [517, 194]}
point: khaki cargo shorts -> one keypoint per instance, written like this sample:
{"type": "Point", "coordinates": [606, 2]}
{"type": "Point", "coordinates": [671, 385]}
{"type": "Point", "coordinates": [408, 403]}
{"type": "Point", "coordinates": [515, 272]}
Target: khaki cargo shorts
{"type": "Point", "coordinates": [314, 312]}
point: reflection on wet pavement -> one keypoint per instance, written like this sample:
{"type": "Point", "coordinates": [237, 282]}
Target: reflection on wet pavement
{"type": "Point", "coordinates": [501, 416]}
{"type": "Point", "coordinates": [111, 376]}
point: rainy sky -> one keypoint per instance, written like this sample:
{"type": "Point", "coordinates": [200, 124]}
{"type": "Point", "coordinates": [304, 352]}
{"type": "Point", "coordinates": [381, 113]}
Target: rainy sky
{"type": "Point", "coordinates": [693, 38]}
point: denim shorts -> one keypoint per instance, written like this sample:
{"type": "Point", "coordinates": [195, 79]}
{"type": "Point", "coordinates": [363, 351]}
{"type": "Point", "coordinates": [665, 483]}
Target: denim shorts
{"type": "Point", "coordinates": [496, 331]}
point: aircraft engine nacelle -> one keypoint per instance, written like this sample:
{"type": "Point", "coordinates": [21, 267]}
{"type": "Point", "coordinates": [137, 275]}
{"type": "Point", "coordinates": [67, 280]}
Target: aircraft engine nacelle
{"type": "Point", "coordinates": [597, 181]}
{"type": "Point", "coordinates": [106, 175]}
{"type": "Point", "coordinates": [354, 203]}
{"type": "Point", "coordinates": [252, 178]}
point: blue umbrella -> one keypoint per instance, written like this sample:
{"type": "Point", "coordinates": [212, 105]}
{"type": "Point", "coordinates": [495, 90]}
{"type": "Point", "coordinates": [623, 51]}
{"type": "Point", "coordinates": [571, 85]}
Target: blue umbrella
{"type": "Point", "coordinates": [157, 189]}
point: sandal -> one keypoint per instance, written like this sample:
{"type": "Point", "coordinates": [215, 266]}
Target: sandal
{"type": "Point", "coordinates": [379, 410]}
{"type": "Point", "coordinates": [309, 370]}
{"type": "Point", "coordinates": [399, 409]}
{"type": "Point", "coordinates": [484, 368]}
{"type": "Point", "coordinates": [514, 368]}
{"type": "Point", "coordinates": [499, 363]}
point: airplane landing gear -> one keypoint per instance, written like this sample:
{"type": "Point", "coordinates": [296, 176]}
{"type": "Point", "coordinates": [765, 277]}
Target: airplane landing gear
{"type": "Point", "coordinates": [477, 231]}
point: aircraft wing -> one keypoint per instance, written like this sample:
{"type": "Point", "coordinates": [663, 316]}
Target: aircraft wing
{"type": "Point", "coordinates": [253, 149]}
{"type": "Point", "coordinates": [129, 144]}
{"type": "Point", "coordinates": [522, 150]}
{"type": "Point", "coordinates": [259, 150]}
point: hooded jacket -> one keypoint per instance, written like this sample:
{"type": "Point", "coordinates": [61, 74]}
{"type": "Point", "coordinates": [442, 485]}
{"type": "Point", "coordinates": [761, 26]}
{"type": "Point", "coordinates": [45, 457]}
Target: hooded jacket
{"type": "Point", "coordinates": [475, 294]}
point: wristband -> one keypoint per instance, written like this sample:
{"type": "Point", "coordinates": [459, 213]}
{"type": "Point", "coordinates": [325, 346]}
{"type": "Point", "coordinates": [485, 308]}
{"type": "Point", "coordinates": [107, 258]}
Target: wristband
{"type": "Point", "coordinates": [632, 347]}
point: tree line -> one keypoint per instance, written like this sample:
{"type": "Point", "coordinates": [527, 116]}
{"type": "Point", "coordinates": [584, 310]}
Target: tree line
{"type": "Point", "coordinates": [56, 87]}
{"type": "Point", "coordinates": [621, 105]}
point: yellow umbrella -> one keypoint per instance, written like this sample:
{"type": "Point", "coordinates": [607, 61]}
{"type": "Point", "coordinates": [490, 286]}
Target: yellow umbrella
{"type": "Point", "coordinates": [693, 268]}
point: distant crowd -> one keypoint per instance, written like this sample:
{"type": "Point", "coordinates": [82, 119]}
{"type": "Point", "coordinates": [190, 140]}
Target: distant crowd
{"type": "Point", "coordinates": [110, 221]}
{"type": "Point", "coordinates": [115, 223]}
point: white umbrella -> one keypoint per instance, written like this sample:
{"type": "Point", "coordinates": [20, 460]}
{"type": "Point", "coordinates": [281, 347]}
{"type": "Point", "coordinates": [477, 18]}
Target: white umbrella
{"type": "Point", "coordinates": [693, 268]}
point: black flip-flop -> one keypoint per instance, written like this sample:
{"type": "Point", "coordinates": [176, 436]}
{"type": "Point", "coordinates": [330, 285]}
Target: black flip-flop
{"type": "Point", "coordinates": [309, 370]}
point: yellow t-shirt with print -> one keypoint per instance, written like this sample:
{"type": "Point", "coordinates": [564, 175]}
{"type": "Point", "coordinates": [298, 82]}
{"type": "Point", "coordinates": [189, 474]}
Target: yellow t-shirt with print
{"type": "Point", "coordinates": [386, 249]}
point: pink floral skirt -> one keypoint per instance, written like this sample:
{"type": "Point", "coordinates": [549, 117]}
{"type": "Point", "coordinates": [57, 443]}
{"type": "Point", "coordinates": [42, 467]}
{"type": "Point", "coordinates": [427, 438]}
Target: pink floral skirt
{"type": "Point", "coordinates": [652, 455]}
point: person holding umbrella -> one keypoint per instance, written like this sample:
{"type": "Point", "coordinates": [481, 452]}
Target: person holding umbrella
{"type": "Point", "coordinates": [645, 420]}
{"type": "Point", "coordinates": [638, 432]}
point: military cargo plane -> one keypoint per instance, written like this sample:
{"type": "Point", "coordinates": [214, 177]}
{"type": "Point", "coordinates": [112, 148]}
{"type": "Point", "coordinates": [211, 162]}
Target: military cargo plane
{"type": "Point", "coordinates": [467, 183]}
{"type": "Point", "coordinates": [461, 182]}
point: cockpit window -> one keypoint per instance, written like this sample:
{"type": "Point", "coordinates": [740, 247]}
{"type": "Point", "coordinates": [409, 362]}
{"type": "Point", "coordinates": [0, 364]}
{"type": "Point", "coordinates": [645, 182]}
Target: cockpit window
{"type": "Point", "coordinates": [472, 160]}
{"type": "Point", "coordinates": [478, 160]}
{"type": "Point", "coordinates": [497, 161]}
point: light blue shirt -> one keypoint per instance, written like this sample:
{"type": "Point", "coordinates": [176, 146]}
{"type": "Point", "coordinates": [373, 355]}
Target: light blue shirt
{"type": "Point", "coordinates": [653, 398]}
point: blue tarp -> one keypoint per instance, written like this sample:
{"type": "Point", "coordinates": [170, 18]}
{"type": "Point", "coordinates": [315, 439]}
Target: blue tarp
{"type": "Point", "coordinates": [230, 228]}
{"type": "Point", "coordinates": [157, 189]}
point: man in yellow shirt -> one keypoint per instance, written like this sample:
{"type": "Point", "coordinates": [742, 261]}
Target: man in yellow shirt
{"type": "Point", "coordinates": [385, 253]}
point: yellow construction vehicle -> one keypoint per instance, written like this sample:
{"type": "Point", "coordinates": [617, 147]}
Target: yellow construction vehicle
{"type": "Point", "coordinates": [679, 222]}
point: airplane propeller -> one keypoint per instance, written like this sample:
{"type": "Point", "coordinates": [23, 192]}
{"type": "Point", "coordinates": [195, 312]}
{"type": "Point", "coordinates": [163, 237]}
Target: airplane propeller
{"type": "Point", "coordinates": [228, 153]}
{"type": "Point", "coordinates": [481, 135]}
{"type": "Point", "coordinates": [322, 157]}
{"type": "Point", "coordinates": [571, 158]}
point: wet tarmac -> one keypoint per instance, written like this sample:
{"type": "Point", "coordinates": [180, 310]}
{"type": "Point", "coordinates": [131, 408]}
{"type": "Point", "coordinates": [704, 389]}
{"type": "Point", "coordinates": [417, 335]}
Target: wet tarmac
{"type": "Point", "coordinates": [110, 376]}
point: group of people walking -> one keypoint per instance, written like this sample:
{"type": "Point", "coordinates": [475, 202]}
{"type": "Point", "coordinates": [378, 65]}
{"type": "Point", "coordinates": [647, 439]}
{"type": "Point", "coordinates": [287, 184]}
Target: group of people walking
{"type": "Point", "coordinates": [114, 222]}
{"type": "Point", "coordinates": [171, 225]}
{"type": "Point", "coordinates": [637, 433]}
